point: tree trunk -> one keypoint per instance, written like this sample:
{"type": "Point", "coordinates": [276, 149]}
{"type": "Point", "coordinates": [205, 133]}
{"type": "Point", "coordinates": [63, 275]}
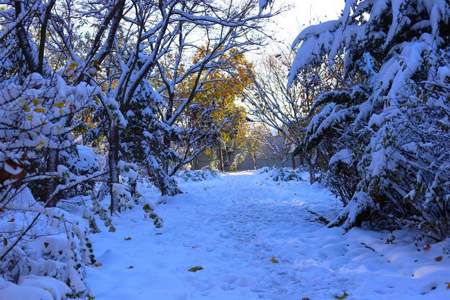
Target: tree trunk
{"type": "Point", "coordinates": [167, 145]}
{"type": "Point", "coordinates": [312, 176]}
{"type": "Point", "coordinates": [52, 164]}
{"type": "Point", "coordinates": [221, 164]}
{"type": "Point", "coordinates": [133, 189]}
{"type": "Point", "coordinates": [113, 155]}
{"type": "Point", "coordinates": [195, 164]}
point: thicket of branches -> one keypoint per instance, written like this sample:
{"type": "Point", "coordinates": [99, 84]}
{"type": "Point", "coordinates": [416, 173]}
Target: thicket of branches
{"type": "Point", "coordinates": [93, 93]}
{"type": "Point", "coordinates": [380, 135]}
{"type": "Point", "coordinates": [366, 104]}
{"type": "Point", "coordinates": [285, 109]}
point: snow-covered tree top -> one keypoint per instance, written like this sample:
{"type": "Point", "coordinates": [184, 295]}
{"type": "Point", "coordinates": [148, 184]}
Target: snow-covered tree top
{"type": "Point", "coordinates": [377, 24]}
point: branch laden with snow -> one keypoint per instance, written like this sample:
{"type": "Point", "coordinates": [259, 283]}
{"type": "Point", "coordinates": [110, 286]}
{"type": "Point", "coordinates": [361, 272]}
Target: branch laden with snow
{"type": "Point", "coordinates": [394, 56]}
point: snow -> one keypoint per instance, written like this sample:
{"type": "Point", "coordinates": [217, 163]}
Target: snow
{"type": "Point", "coordinates": [331, 115]}
{"type": "Point", "coordinates": [33, 287]}
{"type": "Point", "coordinates": [87, 158]}
{"type": "Point", "coordinates": [258, 239]}
{"type": "Point", "coordinates": [310, 50]}
{"type": "Point", "coordinates": [344, 156]}
{"type": "Point", "coordinates": [56, 288]}
{"type": "Point", "coordinates": [378, 163]}
{"type": "Point", "coordinates": [393, 29]}
{"type": "Point", "coordinates": [11, 169]}
{"type": "Point", "coordinates": [24, 293]}
{"type": "Point", "coordinates": [315, 30]}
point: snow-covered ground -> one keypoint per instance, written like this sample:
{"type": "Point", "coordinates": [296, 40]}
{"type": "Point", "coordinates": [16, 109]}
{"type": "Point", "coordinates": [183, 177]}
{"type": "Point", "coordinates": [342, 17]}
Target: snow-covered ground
{"type": "Point", "coordinates": [257, 239]}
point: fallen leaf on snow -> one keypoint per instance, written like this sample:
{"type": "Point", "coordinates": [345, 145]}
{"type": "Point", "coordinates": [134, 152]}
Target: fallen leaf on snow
{"type": "Point", "coordinates": [195, 269]}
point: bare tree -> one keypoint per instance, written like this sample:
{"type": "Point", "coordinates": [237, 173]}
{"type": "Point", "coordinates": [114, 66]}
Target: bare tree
{"type": "Point", "coordinates": [282, 108]}
{"type": "Point", "coordinates": [141, 43]}
{"type": "Point", "coordinates": [182, 75]}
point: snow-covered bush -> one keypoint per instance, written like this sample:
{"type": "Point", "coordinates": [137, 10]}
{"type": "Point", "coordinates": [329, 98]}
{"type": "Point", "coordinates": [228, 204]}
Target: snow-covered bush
{"type": "Point", "coordinates": [81, 161]}
{"type": "Point", "coordinates": [43, 249]}
{"type": "Point", "coordinates": [341, 164]}
{"type": "Point", "coordinates": [197, 175]}
{"type": "Point", "coordinates": [264, 170]}
{"type": "Point", "coordinates": [33, 287]}
{"type": "Point", "coordinates": [383, 130]}
{"type": "Point", "coordinates": [282, 174]}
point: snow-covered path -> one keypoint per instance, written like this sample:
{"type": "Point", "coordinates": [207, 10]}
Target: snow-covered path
{"type": "Point", "coordinates": [256, 239]}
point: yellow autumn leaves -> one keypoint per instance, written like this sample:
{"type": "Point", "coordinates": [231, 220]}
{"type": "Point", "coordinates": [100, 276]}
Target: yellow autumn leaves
{"type": "Point", "coordinates": [223, 88]}
{"type": "Point", "coordinates": [36, 106]}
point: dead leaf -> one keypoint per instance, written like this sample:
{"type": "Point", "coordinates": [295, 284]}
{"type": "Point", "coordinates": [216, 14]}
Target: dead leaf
{"type": "Point", "coordinates": [427, 247]}
{"type": "Point", "coordinates": [98, 264]}
{"type": "Point", "coordinates": [439, 258]}
{"type": "Point", "coordinates": [274, 260]}
{"type": "Point", "coordinates": [195, 269]}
